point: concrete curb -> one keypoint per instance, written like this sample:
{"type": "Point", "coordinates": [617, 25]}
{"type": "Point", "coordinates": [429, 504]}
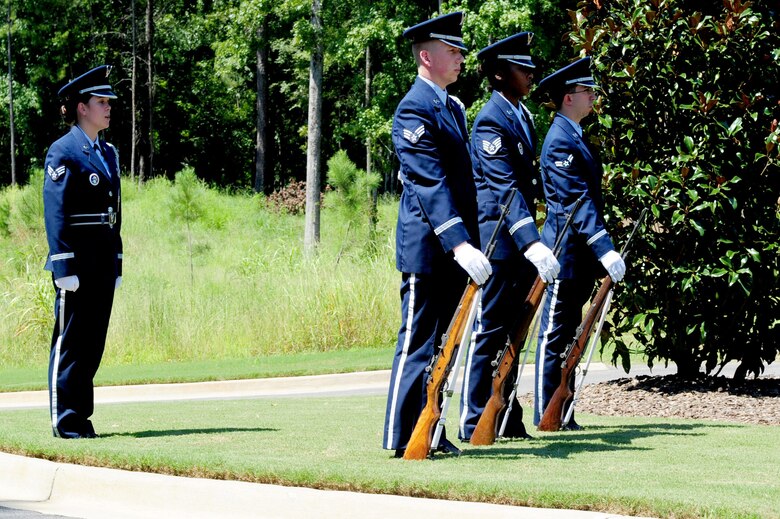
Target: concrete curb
{"type": "Point", "coordinates": [223, 389]}
{"type": "Point", "coordinates": [92, 492]}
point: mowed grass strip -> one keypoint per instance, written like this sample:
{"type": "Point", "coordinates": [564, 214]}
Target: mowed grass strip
{"type": "Point", "coordinates": [640, 466]}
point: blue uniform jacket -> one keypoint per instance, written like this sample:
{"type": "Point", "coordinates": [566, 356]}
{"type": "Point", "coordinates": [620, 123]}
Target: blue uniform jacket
{"type": "Point", "coordinates": [77, 190]}
{"type": "Point", "coordinates": [570, 171]}
{"type": "Point", "coordinates": [504, 159]}
{"type": "Point", "coordinates": [438, 207]}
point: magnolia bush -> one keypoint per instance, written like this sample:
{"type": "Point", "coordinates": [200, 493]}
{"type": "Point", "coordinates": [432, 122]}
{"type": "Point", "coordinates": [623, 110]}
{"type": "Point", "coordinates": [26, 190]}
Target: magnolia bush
{"type": "Point", "coordinates": [688, 127]}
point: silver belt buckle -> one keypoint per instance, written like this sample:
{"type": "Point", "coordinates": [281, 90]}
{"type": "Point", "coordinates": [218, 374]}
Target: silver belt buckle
{"type": "Point", "coordinates": [111, 217]}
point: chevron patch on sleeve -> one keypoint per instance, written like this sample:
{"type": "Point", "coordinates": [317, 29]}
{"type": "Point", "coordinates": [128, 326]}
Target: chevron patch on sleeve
{"type": "Point", "coordinates": [55, 174]}
{"type": "Point", "coordinates": [565, 163]}
{"type": "Point", "coordinates": [414, 135]}
{"type": "Point", "coordinates": [492, 147]}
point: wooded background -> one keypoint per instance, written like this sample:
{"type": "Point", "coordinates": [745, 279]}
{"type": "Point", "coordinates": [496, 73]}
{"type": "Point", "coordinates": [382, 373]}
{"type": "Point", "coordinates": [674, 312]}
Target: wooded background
{"type": "Point", "coordinates": [223, 85]}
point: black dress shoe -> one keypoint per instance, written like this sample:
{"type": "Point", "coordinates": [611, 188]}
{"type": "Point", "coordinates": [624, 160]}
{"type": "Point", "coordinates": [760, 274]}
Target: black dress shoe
{"type": "Point", "coordinates": [447, 447]}
{"type": "Point", "coordinates": [519, 436]}
{"type": "Point", "coordinates": [399, 453]}
{"type": "Point", "coordinates": [572, 426]}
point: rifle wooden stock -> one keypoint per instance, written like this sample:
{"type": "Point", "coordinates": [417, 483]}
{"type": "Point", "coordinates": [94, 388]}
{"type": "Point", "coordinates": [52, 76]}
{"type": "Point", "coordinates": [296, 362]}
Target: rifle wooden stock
{"type": "Point", "coordinates": [554, 412]}
{"type": "Point", "coordinates": [422, 436]}
{"type": "Point", "coordinates": [487, 427]}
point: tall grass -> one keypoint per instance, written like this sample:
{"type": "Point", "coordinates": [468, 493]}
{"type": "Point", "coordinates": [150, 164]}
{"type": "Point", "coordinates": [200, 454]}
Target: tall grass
{"type": "Point", "coordinates": [253, 292]}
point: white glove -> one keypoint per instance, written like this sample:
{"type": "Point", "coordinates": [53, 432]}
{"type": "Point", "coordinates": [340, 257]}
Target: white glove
{"type": "Point", "coordinates": [544, 260]}
{"type": "Point", "coordinates": [69, 283]}
{"type": "Point", "coordinates": [118, 282]}
{"type": "Point", "coordinates": [473, 262]}
{"type": "Point", "coordinates": [616, 267]}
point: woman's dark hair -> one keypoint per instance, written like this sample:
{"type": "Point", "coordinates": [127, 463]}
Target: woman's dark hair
{"type": "Point", "coordinates": [490, 67]}
{"type": "Point", "coordinates": [69, 107]}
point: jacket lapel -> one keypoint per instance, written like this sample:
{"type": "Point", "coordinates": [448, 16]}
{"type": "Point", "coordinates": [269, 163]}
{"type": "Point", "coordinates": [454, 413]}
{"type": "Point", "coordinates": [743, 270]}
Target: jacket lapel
{"type": "Point", "coordinates": [442, 111]}
{"type": "Point", "coordinates": [570, 130]}
{"type": "Point", "coordinates": [513, 122]}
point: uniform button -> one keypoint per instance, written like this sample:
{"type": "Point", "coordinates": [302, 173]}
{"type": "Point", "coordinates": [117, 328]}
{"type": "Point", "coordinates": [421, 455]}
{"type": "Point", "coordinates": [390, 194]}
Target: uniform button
{"type": "Point", "coordinates": [533, 181]}
{"type": "Point", "coordinates": [110, 193]}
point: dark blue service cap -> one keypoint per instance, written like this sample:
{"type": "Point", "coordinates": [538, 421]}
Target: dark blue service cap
{"type": "Point", "coordinates": [445, 28]}
{"type": "Point", "coordinates": [577, 73]}
{"type": "Point", "coordinates": [515, 49]}
{"type": "Point", "coordinates": [94, 82]}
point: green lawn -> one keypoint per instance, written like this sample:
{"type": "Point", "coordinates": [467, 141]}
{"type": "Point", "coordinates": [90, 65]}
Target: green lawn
{"type": "Point", "coordinates": [655, 467]}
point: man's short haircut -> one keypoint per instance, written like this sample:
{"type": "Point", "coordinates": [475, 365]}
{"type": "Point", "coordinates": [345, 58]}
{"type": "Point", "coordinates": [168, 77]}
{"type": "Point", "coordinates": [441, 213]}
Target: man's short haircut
{"type": "Point", "coordinates": [420, 46]}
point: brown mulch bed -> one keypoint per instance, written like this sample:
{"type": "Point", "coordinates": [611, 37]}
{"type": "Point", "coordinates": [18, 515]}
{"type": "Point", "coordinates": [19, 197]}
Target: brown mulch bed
{"type": "Point", "coordinates": [753, 401]}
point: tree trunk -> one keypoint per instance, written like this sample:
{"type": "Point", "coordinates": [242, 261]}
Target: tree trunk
{"type": "Point", "coordinates": [150, 88]}
{"type": "Point", "coordinates": [373, 216]}
{"type": "Point", "coordinates": [311, 236]}
{"type": "Point", "coordinates": [133, 101]}
{"type": "Point", "coordinates": [261, 147]}
{"type": "Point", "coordinates": [11, 103]}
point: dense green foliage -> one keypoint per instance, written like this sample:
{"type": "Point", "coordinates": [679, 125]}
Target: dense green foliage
{"type": "Point", "coordinates": [205, 72]}
{"type": "Point", "coordinates": [689, 128]}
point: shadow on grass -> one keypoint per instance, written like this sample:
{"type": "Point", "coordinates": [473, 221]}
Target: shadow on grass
{"type": "Point", "coordinates": [594, 438]}
{"type": "Point", "coordinates": [185, 432]}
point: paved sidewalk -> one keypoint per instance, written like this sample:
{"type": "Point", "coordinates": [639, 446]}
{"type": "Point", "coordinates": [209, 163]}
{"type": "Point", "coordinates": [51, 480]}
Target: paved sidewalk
{"type": "Point", "coordinates": [90, 492]}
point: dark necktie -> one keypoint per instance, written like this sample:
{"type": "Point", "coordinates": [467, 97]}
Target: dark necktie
{"type": "Point", "coordinates": [101, 158]}
{"type": "Point", "coordinates": [456, 115]}
{"type": "Point", "coordinates": [529, 126]}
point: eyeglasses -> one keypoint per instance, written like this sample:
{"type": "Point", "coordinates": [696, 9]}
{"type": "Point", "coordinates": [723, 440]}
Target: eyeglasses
{"type": "Point", "coordinates": [587, 91]}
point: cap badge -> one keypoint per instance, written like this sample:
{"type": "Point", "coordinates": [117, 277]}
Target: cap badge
{"type": "Point", "coordinates": [414, 136]}
{"type": "Point", "coordinates": [94, 179]}
{"type": "Point", "coordinates": [491, 148]}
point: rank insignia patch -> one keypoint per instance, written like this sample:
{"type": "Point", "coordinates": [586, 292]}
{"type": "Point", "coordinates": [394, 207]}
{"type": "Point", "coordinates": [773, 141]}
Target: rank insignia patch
{"type": "Point", "coordinates": [55, 174]}
{"type": "Point", "coordinates": [565, 163]}
{"type": "Point", "coordinates": [94, 179]}
{"type": "Point", "coordinates": [414, 136]}
{"type": "Point", "coordinates": [491, 148]}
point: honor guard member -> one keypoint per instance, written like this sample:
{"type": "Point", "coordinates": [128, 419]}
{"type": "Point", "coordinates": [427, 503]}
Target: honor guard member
{"type": "Point", "coordinates": [437, 237]}
{"type": "Point", "coordinates": [83, 218]}
{"type": "Point", "coordinates": [570, 170]}
{"type": "Point", "coordinates": [503, 148]}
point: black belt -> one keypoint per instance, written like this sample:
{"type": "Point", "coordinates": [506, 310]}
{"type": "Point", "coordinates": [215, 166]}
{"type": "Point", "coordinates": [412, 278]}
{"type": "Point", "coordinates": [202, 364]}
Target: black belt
{"type": "Point", "coordinates": [108, 218]}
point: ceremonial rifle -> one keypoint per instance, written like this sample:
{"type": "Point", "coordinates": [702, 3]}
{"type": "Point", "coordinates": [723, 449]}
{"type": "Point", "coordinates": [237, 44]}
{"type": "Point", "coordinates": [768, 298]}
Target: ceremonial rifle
{"type": "Point", "coordinates": [486, 430]}
{"type": "Point", "coordinates": [453, 341]}
{"type": "Point", "coordinates": [554, 412]}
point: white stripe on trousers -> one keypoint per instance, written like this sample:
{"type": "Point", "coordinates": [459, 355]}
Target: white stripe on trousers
{"type": "Point", "coordinates": [405, 353]}
{"type": "Point", "coordinates": [56, 367]}
{"type": "Point", "coordinates": [543, 349]}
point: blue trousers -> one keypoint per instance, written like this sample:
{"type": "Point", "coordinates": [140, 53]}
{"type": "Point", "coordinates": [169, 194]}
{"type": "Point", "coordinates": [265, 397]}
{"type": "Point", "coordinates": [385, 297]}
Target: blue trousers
{"type": "Point", "coordinates": [428, 302]}
{"type": "Point", "coordinates": [561, 314]}
{"type": "Point", "coordinates": [502, 296]}
{"type": "Point", "coordinates": [77, 345]}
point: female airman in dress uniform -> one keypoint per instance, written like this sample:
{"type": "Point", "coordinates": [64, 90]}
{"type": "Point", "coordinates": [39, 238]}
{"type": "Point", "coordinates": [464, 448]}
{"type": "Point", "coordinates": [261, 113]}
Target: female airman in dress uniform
{"type": "Point", "coordinates": [81, 197]}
